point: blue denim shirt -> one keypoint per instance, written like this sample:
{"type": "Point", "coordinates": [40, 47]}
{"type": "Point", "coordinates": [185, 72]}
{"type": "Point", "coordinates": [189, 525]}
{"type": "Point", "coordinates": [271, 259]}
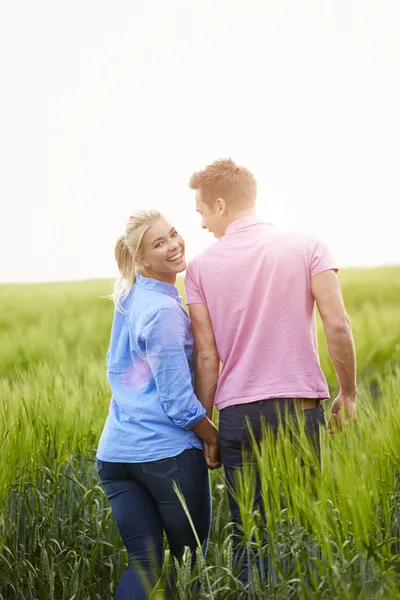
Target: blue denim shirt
{"type": "Point", "coordinates": [150, 371]}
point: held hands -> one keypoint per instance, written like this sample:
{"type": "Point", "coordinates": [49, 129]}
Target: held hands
{"type": "Point", "coordinates": [212, 455]}
{"type": "Point", "coordinates": [343, 412]}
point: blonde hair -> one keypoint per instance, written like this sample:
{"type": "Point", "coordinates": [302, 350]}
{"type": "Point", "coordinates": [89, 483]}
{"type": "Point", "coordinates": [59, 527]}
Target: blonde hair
{"type": "Point", "coordinates": [225, 179]}
{"type": "Point", "coordinates": [127, 251]}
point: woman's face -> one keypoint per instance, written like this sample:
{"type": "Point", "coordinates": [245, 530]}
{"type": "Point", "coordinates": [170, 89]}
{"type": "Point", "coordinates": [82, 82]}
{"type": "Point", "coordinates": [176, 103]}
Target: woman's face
{"type": "Point", "coordinates": [162, 252]}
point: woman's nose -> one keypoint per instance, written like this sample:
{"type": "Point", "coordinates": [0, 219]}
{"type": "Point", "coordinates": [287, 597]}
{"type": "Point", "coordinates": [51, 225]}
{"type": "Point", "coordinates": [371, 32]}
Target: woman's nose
{"type": "Point", "coordinates": [174, 245]}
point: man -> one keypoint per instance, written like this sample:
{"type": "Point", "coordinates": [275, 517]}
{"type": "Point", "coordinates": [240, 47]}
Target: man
{"type": "Point", "coordinates": [251, 300]}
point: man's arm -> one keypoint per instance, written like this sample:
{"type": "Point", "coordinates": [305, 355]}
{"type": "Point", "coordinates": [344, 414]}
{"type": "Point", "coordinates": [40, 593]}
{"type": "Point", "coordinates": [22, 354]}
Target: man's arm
{"type": "Point", "coordinates": [206, 371]}
{"type": "Point", "coordinates": [325, 288]}
{"type": "Point", "coordinates": [206, 357]}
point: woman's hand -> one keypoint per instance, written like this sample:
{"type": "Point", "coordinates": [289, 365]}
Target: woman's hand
{"type": "Point", "coordinates": [212, 455]}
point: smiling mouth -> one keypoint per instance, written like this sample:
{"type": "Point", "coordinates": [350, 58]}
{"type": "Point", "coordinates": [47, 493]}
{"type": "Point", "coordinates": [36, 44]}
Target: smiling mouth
{"type": "Point", "coordinates": [176, 258]}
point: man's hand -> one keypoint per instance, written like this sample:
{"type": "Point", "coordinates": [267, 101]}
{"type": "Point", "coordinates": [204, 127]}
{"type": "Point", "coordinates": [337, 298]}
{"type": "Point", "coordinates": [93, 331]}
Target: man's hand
{"type": "Point", "coordinates": [343, 412]}
{"type": "Point", "coordinates": [212, 455]}
{"type": "Point", "coordinates": [325, 288]}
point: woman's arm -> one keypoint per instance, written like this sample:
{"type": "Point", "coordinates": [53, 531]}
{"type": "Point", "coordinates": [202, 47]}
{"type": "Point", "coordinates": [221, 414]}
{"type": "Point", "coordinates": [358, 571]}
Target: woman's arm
{"type": "Point", "coordinates": [164, 337]}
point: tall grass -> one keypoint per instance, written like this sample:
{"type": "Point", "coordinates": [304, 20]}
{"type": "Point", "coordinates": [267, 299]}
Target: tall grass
{"type": "Point", "coordinates": [331, 533]}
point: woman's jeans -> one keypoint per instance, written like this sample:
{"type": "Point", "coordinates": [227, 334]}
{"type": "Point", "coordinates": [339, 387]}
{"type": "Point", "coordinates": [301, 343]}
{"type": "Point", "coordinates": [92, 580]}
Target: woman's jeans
{"type": "Point", "coordinates": [145, 505]}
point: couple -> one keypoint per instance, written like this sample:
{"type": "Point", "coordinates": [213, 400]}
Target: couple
{"type": "Point", "coordinates": [251, 299]}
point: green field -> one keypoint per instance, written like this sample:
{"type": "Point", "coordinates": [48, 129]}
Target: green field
{"type": "Point", "coordinates": [333, 535]}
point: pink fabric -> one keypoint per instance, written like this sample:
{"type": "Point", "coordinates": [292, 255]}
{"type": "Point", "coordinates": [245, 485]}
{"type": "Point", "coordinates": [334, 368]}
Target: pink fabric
{"type": "Point", "coordinates": [255, 281]}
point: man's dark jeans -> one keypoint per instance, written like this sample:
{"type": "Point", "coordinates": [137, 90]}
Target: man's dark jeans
{"type": "Point", "coordinates": [145, 504]}
{"type": "Point", "coordinates": [234, 438]}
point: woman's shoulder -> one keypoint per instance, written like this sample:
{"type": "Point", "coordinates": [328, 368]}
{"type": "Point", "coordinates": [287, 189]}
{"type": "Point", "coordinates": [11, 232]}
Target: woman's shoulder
{"type": "Point", "coordinates": [163, 325]}
{"type": "Point", "coordinates": [166, 310]}
{"type": "Point", "coordinates": [148, 307]}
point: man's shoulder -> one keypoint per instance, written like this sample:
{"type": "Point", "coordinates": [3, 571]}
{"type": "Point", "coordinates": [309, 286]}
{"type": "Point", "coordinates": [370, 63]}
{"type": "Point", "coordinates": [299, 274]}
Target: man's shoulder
{"type": "Point", "coordinates": [205, 256]}
{"type": "Point", "coordinates": [195, 263]}
{"type": "Point", "coordinates": [206, 252]}
{"type": "Point", "coordinates": [285, 242]}
{"type": "Point", "coordinates": [296, 238]}
{"type": "Point", "coordinates": [294, 247]}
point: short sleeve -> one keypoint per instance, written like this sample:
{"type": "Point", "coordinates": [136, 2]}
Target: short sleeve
{"type": "Point", "coordinates": [321, 259]}
{"type": "Point", "coordinates": [194, 294]}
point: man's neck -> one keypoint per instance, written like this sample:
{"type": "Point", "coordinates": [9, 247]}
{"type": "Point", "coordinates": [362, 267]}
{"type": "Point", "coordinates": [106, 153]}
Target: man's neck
{"type": "Point", "coordinates": [250, 212]}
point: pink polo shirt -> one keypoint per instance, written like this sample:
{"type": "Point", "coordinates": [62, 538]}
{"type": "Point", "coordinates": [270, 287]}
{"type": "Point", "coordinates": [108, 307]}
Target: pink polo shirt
{"type": "Point", "coordinates": [255, 281]}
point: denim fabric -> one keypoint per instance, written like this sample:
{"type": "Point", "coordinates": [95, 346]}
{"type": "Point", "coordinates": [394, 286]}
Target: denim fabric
{"type": "Point", "coordinates": [145, 505]}
{"type": "Point", "coordinates": [234, 438]}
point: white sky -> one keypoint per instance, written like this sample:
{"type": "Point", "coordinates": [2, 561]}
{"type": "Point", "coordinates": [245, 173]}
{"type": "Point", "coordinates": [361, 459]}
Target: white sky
{"type": "Point", "coordinates": [109, 106]}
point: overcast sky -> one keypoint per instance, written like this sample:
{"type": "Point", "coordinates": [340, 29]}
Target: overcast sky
{"type": "Point", "coordinates": [109, 106]}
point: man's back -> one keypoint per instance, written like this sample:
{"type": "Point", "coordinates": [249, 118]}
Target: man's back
{"type": "Point", "coordinates": [251, 298]}
{"type": "Point", "coordinates": [255, 282]}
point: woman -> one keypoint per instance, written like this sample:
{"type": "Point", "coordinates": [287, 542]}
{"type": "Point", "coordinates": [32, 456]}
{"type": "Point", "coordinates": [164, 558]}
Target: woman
{"type": "Point", "coordinates": [151, 436]}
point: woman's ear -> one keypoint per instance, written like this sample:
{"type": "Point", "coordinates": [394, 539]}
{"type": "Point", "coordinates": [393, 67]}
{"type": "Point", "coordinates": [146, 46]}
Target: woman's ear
{"type": "Point", "coordinates": [142, 262]}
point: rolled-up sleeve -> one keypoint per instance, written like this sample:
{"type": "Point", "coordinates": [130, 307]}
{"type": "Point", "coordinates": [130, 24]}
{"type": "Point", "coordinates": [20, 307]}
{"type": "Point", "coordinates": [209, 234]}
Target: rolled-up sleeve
{"type": "Point", "coordinates": [164, 337]}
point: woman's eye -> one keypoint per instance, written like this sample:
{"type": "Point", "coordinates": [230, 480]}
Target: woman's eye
{"type": "Point", "coordinates": [174, 234]}
{"type": "Point", "coordinates": [159, 244]}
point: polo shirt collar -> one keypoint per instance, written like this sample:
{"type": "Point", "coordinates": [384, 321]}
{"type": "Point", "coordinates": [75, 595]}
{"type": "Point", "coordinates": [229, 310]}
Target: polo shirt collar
{"type": "Point", "coordinates": [242, 223]}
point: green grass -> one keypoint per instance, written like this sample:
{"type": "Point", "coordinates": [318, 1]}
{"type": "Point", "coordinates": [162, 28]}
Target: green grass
{"type": "Point", "coordinates": [333, 535]}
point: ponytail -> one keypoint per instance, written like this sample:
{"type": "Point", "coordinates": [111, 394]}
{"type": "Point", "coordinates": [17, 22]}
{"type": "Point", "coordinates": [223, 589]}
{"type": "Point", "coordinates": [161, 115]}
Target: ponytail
{"type": "Point", "coordinates": [127, 268]}
{"type": "Point", "coordinates": [127, 249]}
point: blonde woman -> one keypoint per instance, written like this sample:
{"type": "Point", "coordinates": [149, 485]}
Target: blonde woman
{"type": "Point", "coordinates": [152, 436]}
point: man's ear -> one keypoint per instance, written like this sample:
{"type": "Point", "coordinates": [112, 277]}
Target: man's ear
{"type": "Point", "coordinates": [221, 206]}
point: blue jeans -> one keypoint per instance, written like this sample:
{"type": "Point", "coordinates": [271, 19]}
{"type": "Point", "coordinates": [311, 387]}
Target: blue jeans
{"type": "Point", "coordinates": [234, 438]}
{"type": "Point", "coordinates": [145, 505]}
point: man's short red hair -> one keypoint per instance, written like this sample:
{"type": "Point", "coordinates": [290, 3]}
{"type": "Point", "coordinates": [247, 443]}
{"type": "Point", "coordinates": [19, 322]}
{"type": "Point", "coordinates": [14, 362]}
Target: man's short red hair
{"type": "Point", "coordinates": [225, 179]}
